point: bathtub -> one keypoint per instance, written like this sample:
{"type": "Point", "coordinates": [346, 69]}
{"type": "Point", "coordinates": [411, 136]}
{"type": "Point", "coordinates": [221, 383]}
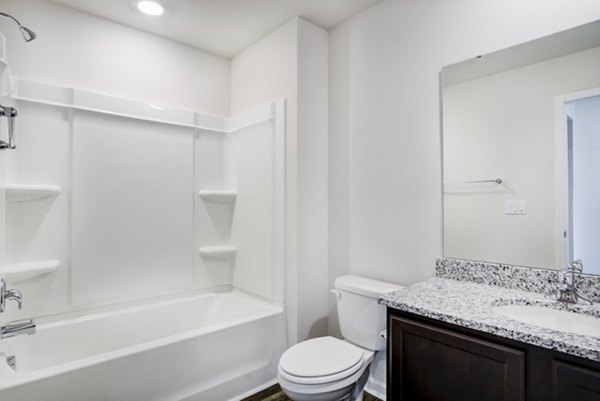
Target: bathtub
{"type": "Point", "coordinates": [209, 347]}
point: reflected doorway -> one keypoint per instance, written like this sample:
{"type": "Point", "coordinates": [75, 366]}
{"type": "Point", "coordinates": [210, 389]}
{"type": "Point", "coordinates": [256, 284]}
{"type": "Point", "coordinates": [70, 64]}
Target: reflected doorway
{"type": "Point", "coordinates": [583, 204]}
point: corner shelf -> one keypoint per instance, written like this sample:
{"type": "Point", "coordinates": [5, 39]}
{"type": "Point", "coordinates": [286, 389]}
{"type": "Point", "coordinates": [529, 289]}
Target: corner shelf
{"type": "Point", "coordinates": [28, 193]}
{"type": "Point", "coordinates": [222, 252]}
{"type": "Point", "coordinates": [23, 271]}
{"type": "Point", "coordinates": [217, 196]}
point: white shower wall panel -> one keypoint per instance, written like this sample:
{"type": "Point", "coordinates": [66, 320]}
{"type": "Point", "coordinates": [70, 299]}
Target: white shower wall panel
{"type": "Point", "coordinates": [211, 158]}
{"type": "Point", "coordinates": [127, 222]}
{"type": "Point", "coordinates": [39, 230]}
{"type": "Point", "coordinates": [254, 228]}
{"type": "Point", "coordinates": [213, 220]}
{"type": "Point", "coordinates": [132, 222]}
{"type": "Point", "coordinates": [41, 157]}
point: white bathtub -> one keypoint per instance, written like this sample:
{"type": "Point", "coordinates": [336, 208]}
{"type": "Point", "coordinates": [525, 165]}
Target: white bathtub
{"type": "Point", "coordinates": [210, 347]}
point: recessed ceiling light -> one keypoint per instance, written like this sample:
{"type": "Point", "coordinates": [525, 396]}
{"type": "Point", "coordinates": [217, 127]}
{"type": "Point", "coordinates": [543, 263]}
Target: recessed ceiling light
{"type": "Point", "coordinates": [151, 7]}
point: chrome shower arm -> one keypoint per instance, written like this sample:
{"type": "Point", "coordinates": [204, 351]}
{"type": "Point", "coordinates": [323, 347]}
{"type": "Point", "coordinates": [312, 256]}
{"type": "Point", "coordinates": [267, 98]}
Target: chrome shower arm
{"type": "Point", "coordinates": [27, 33]}
{"type": "Point", "coordinates": [11, 17]}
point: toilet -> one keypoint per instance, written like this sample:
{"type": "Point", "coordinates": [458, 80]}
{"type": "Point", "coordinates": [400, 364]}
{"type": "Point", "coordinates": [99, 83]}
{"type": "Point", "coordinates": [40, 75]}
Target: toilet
{"type": "Point", "coordinates": [330, 369]}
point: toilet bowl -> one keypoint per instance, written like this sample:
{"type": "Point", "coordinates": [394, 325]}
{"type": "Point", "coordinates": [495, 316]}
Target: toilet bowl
{"type": "Point", "coordinates": [327, 368]}
{"type": "Point", "coordinates": [322, 369]}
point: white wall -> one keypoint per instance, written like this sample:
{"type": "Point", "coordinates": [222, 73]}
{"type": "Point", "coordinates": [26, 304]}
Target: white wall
{"type": "Point", "coordinates": [385, 210]}
{"type": "Point", "coordinates": [312, 154]}
{"type": "Point", "coordinates": [75, 49]}
{"type": "Point", "coordinates": [291, 64]}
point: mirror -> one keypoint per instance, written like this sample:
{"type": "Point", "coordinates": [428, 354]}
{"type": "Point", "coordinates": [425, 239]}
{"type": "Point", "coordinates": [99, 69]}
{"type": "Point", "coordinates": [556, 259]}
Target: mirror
{"type": "Point", "coordinates": [521, 153]}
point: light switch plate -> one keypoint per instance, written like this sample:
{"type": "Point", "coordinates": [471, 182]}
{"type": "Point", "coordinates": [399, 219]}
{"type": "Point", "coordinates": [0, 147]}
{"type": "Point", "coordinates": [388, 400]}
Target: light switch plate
{"type": "Point", "coordinates": [515, 207]}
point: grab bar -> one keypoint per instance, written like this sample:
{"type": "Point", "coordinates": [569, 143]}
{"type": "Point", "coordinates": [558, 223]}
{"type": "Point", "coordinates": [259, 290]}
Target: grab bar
{"type": "Point", "coordinates": [10, 113]}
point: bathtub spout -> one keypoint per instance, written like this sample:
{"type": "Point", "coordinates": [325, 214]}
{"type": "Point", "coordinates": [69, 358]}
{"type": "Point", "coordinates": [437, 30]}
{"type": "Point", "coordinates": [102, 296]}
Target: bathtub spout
{"type": "Point", "coordinates": [17, 329]}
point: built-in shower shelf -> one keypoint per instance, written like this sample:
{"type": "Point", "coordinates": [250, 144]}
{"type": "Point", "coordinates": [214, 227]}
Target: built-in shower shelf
{"type": "Point", "coordinates": [24, 271]}
{"type": "Point", "coordinates": [217, 196]}
{"type": "Point", "coordinates": [218, 252]}
{"type": "Point", "coordinates": [28, 193]}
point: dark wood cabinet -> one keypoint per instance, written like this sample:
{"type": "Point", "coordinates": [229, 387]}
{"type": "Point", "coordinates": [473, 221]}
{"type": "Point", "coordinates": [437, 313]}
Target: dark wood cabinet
{"type": "Point", "coordinates": [573, 383]}
{"type": "Point", "coordinates": [430, 360]}
{"type": "Point", "coordinates": [437, 364]}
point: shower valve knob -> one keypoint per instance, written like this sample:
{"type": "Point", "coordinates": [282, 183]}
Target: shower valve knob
{"type": "Point", "coordinates": [6, 295]}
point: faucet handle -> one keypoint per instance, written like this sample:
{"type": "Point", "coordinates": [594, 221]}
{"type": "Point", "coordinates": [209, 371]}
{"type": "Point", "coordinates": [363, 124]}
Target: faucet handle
{"type": "Point", "coordinates": [6, 111]}
{"type": "Point", "coordinates": [6, 295]}
{"type": "Point", "coordinates": [15, 295]}
{"type": "Point", "coordinates": [575, 266]}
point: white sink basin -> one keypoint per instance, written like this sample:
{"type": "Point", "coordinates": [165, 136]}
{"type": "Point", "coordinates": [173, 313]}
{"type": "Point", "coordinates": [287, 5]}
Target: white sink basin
{"type": "Point", "coordinates": [554, 319]}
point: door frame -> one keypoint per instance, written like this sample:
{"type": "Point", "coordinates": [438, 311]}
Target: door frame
{"type": "Point", "coordinates": [561, 106]}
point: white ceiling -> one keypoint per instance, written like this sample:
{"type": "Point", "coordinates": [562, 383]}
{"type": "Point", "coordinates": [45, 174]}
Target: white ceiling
{"type": "Point", "coordinates": [223, 27]}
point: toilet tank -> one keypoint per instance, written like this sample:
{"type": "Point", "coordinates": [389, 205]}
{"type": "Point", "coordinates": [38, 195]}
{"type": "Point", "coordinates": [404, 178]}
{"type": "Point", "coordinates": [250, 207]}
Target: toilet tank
{"type": "Point", "coordinates": [361, 318]}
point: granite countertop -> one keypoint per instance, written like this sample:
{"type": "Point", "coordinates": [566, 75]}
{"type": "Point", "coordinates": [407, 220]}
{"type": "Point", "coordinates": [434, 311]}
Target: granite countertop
{"type": "Point", "coordinates": [470, 304]}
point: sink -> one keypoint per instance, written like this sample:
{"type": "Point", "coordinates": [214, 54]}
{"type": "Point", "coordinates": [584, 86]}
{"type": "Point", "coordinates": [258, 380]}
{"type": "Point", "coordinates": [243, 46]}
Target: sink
{"type": "Point", "coordinates": [554, 319]}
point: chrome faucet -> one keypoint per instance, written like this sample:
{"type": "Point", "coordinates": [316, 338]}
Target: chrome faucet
{"type": "Point", "coordinates": [7, 295]}
{"type": "Point", "coordinates": [10, 113]}
{"type": "Point", "coordinates": [567, 291]}
{"type": "Point", "coordinates": [17, 329]}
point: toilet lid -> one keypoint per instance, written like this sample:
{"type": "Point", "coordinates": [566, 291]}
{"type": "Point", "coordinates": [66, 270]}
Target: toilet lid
{"type": "Point", "coordinates": [323, 356]}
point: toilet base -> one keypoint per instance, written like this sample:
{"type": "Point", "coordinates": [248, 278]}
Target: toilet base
{"type": "Point", "coordinates": [342, 394]}
{"type": "Point", "coordinates": [376, 384]}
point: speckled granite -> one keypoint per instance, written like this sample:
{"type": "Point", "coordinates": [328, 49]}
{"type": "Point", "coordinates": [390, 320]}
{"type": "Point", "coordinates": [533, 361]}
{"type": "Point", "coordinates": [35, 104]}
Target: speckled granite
{"type": "Point", "coordinates": [589, 287]}
{"type": "Point", "coordinates": [542, 281]}
{"type": "Point", "coordinates": [469, 304]}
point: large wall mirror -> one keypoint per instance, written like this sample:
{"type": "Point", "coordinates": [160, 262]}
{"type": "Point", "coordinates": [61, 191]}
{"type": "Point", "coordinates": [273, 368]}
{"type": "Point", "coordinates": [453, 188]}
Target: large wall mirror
{"type": "Point", "coordinates": [521, 153]}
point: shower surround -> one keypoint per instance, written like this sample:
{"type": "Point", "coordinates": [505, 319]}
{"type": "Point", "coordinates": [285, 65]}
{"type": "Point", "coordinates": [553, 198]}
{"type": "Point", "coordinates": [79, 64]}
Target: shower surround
{"type": "Point", "coordinates": [113, 204]}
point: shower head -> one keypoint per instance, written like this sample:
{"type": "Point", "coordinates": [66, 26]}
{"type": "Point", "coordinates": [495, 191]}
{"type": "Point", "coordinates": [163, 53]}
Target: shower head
{"type": "Point", "coordinates": [27, 33]}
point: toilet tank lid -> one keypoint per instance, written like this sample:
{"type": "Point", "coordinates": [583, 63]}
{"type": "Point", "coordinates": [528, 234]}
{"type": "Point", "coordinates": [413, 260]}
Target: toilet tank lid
{"type": "Point", "coordinates": [364, 286]}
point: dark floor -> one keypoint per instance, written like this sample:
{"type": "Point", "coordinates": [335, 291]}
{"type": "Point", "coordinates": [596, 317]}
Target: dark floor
{"type": "Point", "coordinates": [274, 393]}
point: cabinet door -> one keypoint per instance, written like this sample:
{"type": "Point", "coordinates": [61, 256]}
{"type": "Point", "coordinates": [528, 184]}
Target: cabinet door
{"type": "Point", "coordinates": [427, 363]}
{"type": "Point", "coordinates": [573, 383]}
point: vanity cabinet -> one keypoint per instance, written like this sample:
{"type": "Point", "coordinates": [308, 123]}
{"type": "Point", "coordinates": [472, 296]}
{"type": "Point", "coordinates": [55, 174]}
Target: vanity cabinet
{"type": "Point", "coordinates": [431, 363]}
{"type": "Point", "coordinates": [437, 361]}
{"type": "Point", "coordinates": [574, 383]}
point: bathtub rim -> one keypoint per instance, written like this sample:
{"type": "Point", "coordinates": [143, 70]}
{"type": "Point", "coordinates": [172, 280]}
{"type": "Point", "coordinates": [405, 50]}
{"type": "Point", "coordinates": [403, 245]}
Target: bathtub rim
{"type": "Point", "coordinates": [10, 378]}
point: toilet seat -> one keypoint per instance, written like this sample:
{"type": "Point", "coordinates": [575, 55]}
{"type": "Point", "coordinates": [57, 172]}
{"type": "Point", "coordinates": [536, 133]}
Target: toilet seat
{"type": "Point", "coordinates": [319, 388]}
{"type": "Point", "coordinates": [321, 360]}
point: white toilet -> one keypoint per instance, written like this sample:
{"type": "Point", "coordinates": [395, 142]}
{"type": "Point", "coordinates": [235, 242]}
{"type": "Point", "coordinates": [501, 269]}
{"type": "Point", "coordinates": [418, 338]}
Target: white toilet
{"type": "Point", "coordinates": [326, 368]}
